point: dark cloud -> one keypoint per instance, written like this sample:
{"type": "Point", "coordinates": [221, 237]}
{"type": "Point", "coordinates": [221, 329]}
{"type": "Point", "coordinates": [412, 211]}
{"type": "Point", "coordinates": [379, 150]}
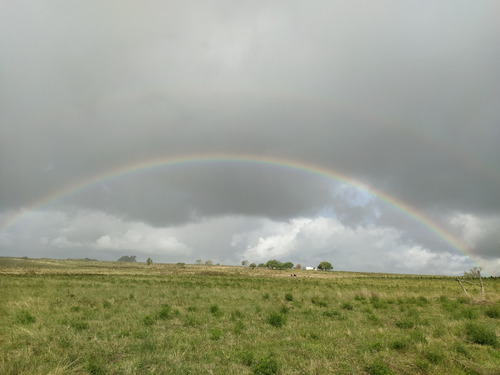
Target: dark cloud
{"type": "Point", "coordinates": [175, 194]}
{"type": "Point", "coordinates": [401, 96]}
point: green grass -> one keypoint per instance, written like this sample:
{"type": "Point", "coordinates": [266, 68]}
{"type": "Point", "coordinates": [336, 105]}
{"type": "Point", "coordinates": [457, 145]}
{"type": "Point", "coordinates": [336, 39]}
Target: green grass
{"type": "Point", "coordinates": [276, 320]}
{"type": "Point", "coordinates": [481, 334]}
{"type": "Point", "coordinates": [86, 317]}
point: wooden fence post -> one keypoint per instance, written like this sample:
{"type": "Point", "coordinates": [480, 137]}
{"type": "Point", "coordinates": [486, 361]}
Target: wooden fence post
{"type": "Point", "coordinates": [467, 294]}
{"type": "Point", "coordinates": [481, 283]}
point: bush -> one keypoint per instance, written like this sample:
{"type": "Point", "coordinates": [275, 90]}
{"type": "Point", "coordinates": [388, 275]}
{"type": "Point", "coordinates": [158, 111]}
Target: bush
{"type": "Point", "coordinates": [191, 321]}
{"type": "Point", "coordinates": [236, 314]}
{"type": "Point", "coordinates": [276, 320]}
{"type": "Point", "coordinates": [239, 326]}
{"type": "Point", "coordinates": [423, 365]}
{"type": "Point", "coordinates": [422, 300]}
{"type": "Point", "coordinates": [377, 303]}
{"type": "Point", "coordinates": [379, 368]}
{"type": "Point", "coordinates": [94, 366]}
{"type": "Point", "coordinates": [459, 348]}
{"type": "Point", "coordinates": [289, 297]}
{"type": "Point", "coordinates": [464, 313]}
{"type": "Point", "coordinates": [164, 312]}
{"type": "Point", "coordinates": [493, 312]}
{"type": "Point", "coordinates": [335, 314]}
{"type": "Point", "coordinates": [319, 301]}
{"type": "Point", "coordinates": [375, 346]}
{"type": "Point", "coordinates": [347, 306]}
{"type": "Point", "coordinates": [314, 336]}
{"type": "Point", "coordinates": [373, 319]}
{"type": "Point", "coordinates": [406, 323]}
{"type": "Point", "coordinates": [215, 334]}
{"type": "Point", "coordinates": [434, 355]}
{"type": "Point", "coordinates": [216, 311]}
{"type": "Point", "coordinates": [418, 336]}
{"type": "Point", "coordinates": [79, 325]}
{"type": "Point", "coordinates": [247, 358]}
{"type": "Point", "coordinates": [481, 334]}
{"type": "Point", "coordinates": [266, 366]}
{"type": "Point", "coordinates": [24, 317]}
{"type": "Point", "coordinates": [359, 297]}
{"type": "Point", "coordinates": [400, 344]}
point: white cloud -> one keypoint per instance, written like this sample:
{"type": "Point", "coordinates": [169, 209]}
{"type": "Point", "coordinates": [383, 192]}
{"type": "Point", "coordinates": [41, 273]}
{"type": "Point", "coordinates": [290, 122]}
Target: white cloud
{"type": "Point", "coordinates": [230, 239]}
{"type": "Point", "coordinates": [142, 238]}
{"type": "Point", "coordinates": [364, 248]}
{"type": "Point", "coordinates": [417, 259]}
{"type": "Point", "coordinates": [469, 227]}
{"type": "Point", "coordinates": [60, 242]}
{"type": "Point", "coordinates": [279, 241]}
{"type": "Point", "coordinates": [85, 229]}
{"type": "Point", "coordinates": [481, 235]}
{"type": "Point", "coordinates": [490, 267]}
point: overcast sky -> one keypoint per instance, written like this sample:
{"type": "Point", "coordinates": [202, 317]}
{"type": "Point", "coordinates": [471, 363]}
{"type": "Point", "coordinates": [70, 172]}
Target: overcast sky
{"type": "Point", "coordinates": [400, 96]}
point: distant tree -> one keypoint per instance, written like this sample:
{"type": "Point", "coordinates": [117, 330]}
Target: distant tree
{"type": "Point", "coordinates": [198, 261]}
{"type": "Point", "coordinates": [128, 258]}
{"type": "Point", "coordinates": [274, 264]}
{"type": "Point", "coordinates": [149, 261]}
{"type": "Point", "coordinates": [208, 263]}
{"type": "Point", "coordinates": [325, 266]}
{"type": "Point", "coordinates": [298, 266]}
{"type": "Point", "coordinates": [244, 263]}
{"type": "Point", "coordinates": [252, 265]}
{"type": "Point", "coordinates": [474, 272]}
{"type": "Point", "coordinates": [277, 265]}
{"type": "Point", "coordinates": [261, 265]}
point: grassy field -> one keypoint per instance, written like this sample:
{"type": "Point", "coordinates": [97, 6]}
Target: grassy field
{"type": "Point", "coordinates": [79, 317]}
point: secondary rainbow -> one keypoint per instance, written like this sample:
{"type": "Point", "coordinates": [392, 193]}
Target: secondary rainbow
{"type": "Point", "coordinates": [235, 158]}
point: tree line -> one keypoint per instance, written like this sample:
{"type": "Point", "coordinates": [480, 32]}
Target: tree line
{"type": "Point", "coordinates": [271, 264]}
{"type": "Point", "coordinates": [277, 265]}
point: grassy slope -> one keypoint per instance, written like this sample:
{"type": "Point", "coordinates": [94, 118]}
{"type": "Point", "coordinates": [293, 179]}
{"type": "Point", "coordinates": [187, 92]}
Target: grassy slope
{"type": "Point", "coordinates": [72, 317]}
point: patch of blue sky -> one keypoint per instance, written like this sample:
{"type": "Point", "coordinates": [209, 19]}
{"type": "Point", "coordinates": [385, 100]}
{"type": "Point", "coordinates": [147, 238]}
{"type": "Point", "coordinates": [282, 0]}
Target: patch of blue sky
{"type": "Point", "coordinates": [352, 195]}
{"type": "Point", "coordinates": [328, 212]}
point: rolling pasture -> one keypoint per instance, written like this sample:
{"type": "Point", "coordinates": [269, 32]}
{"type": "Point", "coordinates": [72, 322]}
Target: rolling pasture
{"type": "Point", "coordinates": [89, 317]}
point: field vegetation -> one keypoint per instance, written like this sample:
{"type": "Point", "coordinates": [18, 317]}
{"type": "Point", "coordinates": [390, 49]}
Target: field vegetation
{"type": "Point", "coordinates": [90, 317]}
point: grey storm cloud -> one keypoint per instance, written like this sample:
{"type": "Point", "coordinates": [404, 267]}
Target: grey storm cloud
{"type": "Point", "coordinates": [401, 96]}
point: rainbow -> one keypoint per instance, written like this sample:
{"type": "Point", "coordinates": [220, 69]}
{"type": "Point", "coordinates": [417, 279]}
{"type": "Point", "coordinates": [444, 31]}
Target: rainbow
{"type": "Point", "coordinates": [235, 158]}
